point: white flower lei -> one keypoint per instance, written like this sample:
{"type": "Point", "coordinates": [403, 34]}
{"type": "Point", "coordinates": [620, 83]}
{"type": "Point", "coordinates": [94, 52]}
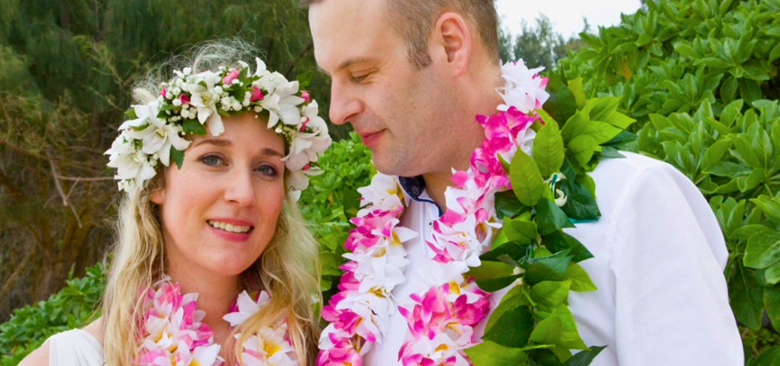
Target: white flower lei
{"type": "Point", "coordinates": [440, 320]}
{"type": "Point", "coordinates": [173, 332]}
{"type": "Point", "coordinates": [190, 103]}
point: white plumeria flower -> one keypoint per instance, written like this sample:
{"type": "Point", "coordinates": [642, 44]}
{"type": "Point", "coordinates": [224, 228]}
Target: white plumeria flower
{"type": "Point", "coordinates": [131, 165]}
{"type": "Point", "coordinates": [246, 308]}
{"type": "Point", "coordinates": [382, 193]}
{"type": "Point", "coordinates": [524, 87]}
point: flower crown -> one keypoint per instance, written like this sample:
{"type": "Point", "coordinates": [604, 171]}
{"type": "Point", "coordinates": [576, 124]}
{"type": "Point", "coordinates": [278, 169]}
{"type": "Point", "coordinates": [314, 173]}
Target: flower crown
{"type": "Point", "coordinates": [189, 104]}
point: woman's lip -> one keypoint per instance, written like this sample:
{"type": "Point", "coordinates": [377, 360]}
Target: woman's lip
{"type": "Point", "coordinates": [230, 236]}
{"type": "Point", "coordinates": [234, 222]}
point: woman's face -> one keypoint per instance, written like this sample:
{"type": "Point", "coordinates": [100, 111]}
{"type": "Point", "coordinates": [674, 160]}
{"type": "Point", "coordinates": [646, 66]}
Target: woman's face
{"type": "Point", "coordinates": [219, 211]}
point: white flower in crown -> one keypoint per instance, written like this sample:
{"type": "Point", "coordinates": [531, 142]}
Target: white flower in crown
{"type": "Point", "coordinates": [524, 87]}
{"type": "Point", "coordinates": [195, 104]}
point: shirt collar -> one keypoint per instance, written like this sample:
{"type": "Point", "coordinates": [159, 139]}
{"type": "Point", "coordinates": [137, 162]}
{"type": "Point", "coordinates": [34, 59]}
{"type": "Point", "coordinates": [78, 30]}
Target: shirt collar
{"type": "Point", "coordinates": [414, 187]}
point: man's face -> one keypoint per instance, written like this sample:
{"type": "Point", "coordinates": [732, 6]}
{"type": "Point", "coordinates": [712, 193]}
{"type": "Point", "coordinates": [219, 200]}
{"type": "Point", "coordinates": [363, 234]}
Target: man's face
{"type": "Point", "coordinates": [398, 111]}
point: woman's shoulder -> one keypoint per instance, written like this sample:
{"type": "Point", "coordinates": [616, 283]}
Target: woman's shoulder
{"type": "Point", "coordinates": [86, 340]}
{"type": "Point", "coordinates": [39, 357]}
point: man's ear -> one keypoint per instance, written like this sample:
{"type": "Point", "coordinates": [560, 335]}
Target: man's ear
{"type": "Point", "coordinates": [452, 34]}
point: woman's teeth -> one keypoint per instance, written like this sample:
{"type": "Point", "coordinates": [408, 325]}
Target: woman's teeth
{"type": "Point", "coordinates": [229, 227]}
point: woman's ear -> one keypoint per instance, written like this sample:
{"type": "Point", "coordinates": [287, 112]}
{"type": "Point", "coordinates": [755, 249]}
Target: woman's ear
{"type": "Point", "coordinates": [157, 196]}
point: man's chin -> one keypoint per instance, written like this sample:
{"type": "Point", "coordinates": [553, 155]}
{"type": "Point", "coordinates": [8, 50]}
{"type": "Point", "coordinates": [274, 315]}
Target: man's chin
{"type": "Point", "coordinates": [391, 164]}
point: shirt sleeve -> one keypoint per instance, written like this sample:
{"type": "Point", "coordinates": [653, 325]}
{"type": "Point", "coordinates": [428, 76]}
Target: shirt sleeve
{"type": "Point", "coordinates": [671, 299]}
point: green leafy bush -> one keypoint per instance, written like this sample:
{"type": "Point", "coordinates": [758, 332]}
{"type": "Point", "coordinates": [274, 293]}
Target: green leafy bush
{"type": "Point", "coordinates": [332, 199]}
{"type": "Point", "coordinates": [701, 78]}
{"type": "Point", "coordinates": [73, 307]}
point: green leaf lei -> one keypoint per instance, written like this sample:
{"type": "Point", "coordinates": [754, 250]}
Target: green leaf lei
{"type": "Point", "coordinates": [533, 324]}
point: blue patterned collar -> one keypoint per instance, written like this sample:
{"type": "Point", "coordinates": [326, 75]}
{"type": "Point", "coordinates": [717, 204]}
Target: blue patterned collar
{"type": "Point", "coordinates": [414, 187]}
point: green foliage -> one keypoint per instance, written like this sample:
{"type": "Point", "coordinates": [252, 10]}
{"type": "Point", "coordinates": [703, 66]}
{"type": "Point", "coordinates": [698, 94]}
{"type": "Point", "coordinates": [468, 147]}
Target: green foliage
{"type": "Point", "coordinates": [75, 306]}
{"type": "Point", "coordinates": [701, 79]}
{"type": "Point", "coordinates": [332, 199]}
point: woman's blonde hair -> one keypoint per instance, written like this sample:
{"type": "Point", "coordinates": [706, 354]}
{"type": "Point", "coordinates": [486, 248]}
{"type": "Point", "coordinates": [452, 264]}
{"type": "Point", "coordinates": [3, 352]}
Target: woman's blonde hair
{"type": "Point", "coordinates": [287, 269]}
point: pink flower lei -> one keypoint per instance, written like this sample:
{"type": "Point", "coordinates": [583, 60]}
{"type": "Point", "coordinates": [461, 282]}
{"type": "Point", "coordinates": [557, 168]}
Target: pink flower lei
{"type": "Point", "coordinates": [174, 334]}
{"type": "Point", "coordinates": [441, 320]}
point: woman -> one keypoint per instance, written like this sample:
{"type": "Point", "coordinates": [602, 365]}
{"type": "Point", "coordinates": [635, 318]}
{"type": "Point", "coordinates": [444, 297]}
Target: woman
{"type": "Point", "coordinates": [213, 262]}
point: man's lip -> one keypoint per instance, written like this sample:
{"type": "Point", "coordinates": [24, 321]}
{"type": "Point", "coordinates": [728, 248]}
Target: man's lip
{"type": "Point", "coordinates": [234, 222]}
{"type": "Point", "coordinates": [369, 138]}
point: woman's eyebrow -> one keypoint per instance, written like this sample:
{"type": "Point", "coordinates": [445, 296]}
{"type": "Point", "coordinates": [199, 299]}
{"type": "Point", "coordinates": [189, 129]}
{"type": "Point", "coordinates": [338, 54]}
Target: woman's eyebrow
{"type": "Point", "coordinates": [216, 142]}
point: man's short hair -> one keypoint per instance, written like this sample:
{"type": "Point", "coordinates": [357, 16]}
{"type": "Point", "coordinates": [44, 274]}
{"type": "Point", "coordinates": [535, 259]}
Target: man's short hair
{"type": "Point", "coordinates": [413, 20]}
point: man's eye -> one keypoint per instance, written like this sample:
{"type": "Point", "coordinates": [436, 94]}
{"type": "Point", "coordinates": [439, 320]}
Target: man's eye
{"type": "Point", "coordinates": [359, 78]}
{"type": "Point", "coordinates": [211, 160]}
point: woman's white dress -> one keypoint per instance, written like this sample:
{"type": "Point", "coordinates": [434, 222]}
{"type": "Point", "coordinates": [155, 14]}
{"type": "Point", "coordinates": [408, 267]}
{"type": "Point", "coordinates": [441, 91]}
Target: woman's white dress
{"type": "Point", "coordinates": [75, 347]}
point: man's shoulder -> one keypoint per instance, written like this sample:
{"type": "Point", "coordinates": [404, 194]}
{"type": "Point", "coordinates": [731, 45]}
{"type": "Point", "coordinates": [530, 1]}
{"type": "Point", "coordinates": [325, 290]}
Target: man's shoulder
{"type": "Point", "coordinates": [631, 165]}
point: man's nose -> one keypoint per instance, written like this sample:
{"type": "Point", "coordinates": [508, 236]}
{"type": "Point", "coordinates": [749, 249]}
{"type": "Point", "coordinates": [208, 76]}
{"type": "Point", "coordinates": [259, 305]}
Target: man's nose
{"type": "Point", "coordinates": [344, 105]}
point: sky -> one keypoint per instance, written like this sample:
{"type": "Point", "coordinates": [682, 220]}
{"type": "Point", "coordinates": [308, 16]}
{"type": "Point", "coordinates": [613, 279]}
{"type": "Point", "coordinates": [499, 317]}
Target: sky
{"type": "Point", "coordinates": [566, 15]}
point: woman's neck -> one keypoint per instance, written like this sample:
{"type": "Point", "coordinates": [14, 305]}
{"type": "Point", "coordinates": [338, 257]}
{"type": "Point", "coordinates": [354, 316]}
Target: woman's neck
{"type": "Point", "coordinates": [215, 295]}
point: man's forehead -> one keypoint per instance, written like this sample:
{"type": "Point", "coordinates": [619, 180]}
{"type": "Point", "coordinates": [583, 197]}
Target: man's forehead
{"type": "Point", "coordinates": [347, 32]}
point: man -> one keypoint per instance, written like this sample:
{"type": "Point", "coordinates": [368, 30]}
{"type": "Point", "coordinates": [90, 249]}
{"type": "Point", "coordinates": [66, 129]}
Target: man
{"type": "Point", "coordinates": [411, 75]}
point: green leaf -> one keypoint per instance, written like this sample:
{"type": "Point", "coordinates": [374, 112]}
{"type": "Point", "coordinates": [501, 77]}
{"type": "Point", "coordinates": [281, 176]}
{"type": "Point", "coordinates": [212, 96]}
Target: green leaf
{"type": "Point", "coordinates": [745, 232]}
{"type": "Point", "coordinates": [602, 132]}
{"type": "Point", "coordinates": [771, 207]}
{"type": "Point", "coordinates": [304, 79]}
{"type": "Point", "coordinates": [728, 169]}
{"type": "Point", "coordinates": [584, 358]}
{"type": "Point", "coordinates": [763, 250]}
{"type": "Point", "coordinates": [746, 297]}
{"type": "Point", "coordinates": [490, 353]}
{"type": "Point", "coordinates": [580, 280]}
{"type": "Point", "coordinates": [527, 182]}
{"type": "Point", "coordinates": [578, 91]}
{"type": "Point", "coordinates": [772, 305]}
{"type": "Point", "coordinates": [772, 274]}
{"type": "Point", "coordinates": [177, 156]}
{"type": "Point", "coordinates": [552, 268]}
{"type": "Point", "coordinates": [582, 148]}
{"type": "Point", "coordinates": [561, 105]}
{"type": "Point", "coordinates": [548, 331]}
{"type": "Point", "coordinates": [550, 294]}
{"type": "Point", "coordinates": [715, 153]}
{"type": "Point", "coordinates": [560, 241]}
{"type": "Point", "coordinates": [620, 120]}
{"type": "Point", "coordinates": [575, 126]}
{"type": "Point", "coordinates": [513, 328]}
{"type": "Point", "coordinates": [520, 230]}
{"type": "Point", "coordinates": [130, 114]}
{"type": "Point", "coordinates": [770, 357]}
{"type": "Point", "coordinates": [548, 149]}
{"type": "Point", "coordinates": [507, 205]}
{"type": "Point", "coordinates": [580, 204]}
{"type": "Point", "coordinates": [550, 218]}
{"type": "Point", "coordinates": [513, 298]}
{"type": "Point", "coordinates": [513, 249]}
{"type": "Point", "coordinates": [495, 284]}
{"type": "Point", "coordinates": [601, 109]}
{"type": "Point", "coordinates": [192, 126]}
{"type": "Point", "coordinates": [490, 269]}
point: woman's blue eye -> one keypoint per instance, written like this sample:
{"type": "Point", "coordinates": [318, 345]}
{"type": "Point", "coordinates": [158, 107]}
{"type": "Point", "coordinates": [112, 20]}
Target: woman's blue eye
{"type": "Point", "coordinates": [212, 160]}
{"type": "Point", "coordinates": [268, 170]}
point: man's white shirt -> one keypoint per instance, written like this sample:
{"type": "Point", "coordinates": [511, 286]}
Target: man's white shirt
{"type": "Point", "coordinates": [658, 263]}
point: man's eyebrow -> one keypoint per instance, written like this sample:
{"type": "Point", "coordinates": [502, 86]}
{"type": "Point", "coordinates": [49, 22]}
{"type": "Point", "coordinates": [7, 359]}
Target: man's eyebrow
{"type": "Point", "coordinates": [356, 60]}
